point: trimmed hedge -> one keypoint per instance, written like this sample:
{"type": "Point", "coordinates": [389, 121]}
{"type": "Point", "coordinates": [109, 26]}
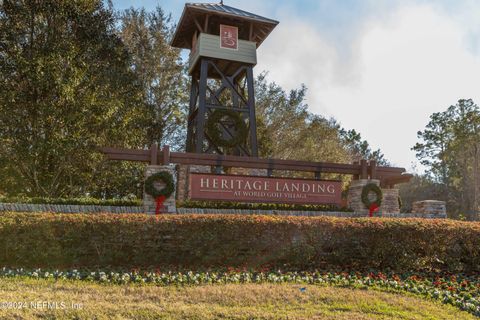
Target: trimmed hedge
{"type": "Point", "coordinates": [74, 201]}
{"type": "Point", "coordinates": [212, 241]}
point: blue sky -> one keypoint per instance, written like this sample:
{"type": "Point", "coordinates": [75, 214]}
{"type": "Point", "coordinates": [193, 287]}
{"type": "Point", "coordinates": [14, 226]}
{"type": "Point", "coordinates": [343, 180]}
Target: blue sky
{"type": "Point", "coordinates": [378, 66]}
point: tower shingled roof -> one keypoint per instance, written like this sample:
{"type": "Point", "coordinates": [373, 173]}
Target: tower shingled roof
{"type": "Point", "coordinates": [223, 8]}
{"type": "Point", "coordinates": [185, 27]}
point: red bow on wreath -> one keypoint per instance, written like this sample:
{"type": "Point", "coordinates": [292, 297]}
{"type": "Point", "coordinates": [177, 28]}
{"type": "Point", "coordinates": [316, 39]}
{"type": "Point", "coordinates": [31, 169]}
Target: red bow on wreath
{"type": "Point", "coordinates": [373, 208]}
{"type": "Point", "coordinates": [159, 200]}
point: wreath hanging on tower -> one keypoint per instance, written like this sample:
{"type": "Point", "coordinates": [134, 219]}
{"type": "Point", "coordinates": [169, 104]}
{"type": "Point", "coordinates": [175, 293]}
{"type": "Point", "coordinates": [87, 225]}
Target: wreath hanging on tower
{"type": "Point", "coordinates": [214, 131]}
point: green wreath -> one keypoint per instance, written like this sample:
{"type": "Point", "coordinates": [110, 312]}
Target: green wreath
{"type": "Point", "coordinates": [371, 187]}
{"type": "Point", "coordinates": [215, 133]}
{"type": "Point", "coordinates": [166, 178]}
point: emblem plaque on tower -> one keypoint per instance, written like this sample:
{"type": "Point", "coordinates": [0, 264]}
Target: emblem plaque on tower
{"type": "Point", "coordinates": [228, 37]}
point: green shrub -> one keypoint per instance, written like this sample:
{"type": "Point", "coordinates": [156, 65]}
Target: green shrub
{"type": "Point", "coordinates": [258, 206]}
{"type": "Point", "coordinates": [203, 241]}
{"type": "Point", "coordinates": [74, 201]}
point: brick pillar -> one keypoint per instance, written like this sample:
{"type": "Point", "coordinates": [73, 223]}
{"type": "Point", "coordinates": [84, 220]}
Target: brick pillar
{"type": "Point", "coordinates": [354, 197]}
{"type": "Point", "coordinates": [149, 204]}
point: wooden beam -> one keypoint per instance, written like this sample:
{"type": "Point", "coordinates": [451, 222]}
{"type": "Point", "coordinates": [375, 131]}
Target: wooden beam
{"type": "Point", "coordinates": [251, 162]}
{"type": "Point", "coordinates": [216, 106]}
{"type": "Point", "coordinates": [356, 176]}
{"type": "Point", "coordinates": [154, 154]}
{"type": "Point", "coordinates": [373, 169]}
{"type": "Point", "coordinates": [205, 25]}
{"type": "Point", "coordinates": [252, 117]}
{"type": "Point", "coordinates": [364, 169]}
{"type": "Point", "coordinates": [197, 24]}
{"type": "Point", "coordinates": [202, 96]}
{"type": "Point", "coordinates": [263, 32]}
{"type": "Point", "coordinates": [127, 156]}
{"type": "Point", "coordinates": [391, 181]}
{"type": "Point", "coordinates": [247, 162]}
{"type": "Point", "coordinates": [166, 155]}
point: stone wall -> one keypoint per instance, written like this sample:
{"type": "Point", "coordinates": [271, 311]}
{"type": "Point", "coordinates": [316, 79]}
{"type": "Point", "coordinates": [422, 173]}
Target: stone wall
{"type": "Point", "coordinates": [61, 208]}
{"type": "Point", "coordinates": [338, 214]}
{"type": "Point", "coordinates": [430, 207]}
{"type": "Point", "coordinates": [67, 208]}
{"type": "Point", "coordinates": [149, 203]}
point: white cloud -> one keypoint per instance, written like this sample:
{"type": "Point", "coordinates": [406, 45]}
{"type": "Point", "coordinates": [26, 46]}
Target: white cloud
{"type": "Point", "coordinates": [397, 71]}
{"type": "Point", "coordinates": [295, 53]}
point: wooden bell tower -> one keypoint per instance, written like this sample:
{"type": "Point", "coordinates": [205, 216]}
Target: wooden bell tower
{"type": "Point", "coordinates": [222, 41]}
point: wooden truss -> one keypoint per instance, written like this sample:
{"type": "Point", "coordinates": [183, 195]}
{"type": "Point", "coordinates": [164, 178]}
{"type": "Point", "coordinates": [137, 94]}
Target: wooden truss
{"type": "Point", "coordinates": [215, 89]}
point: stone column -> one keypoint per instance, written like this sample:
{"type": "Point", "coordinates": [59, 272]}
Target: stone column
{"type": "Point", "coordinates": [354, 197]}
{"type": "Point", "coordinates": [149, 203]}
{"type": "Point", "coordinates": [390, 201]}
{"type": "Point", "coordinates": [182, 182]}
{"type": "Point", "coordinates": [183, 176]}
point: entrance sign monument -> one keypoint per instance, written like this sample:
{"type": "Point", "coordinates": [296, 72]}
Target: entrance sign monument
{"type": "Point", "coordinates": [221, 128]}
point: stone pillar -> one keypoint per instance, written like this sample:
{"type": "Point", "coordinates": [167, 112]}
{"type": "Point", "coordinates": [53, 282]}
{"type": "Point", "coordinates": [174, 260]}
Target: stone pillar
{"type": "Point", "coordinates": [354, 197]}
{"type": "Point", "coordinates": [182, 182]}
{"type": "Point", "coordinates": [430, 207]}
{"type": "Point", "coordinates": [183, 176]}
{"type": "Point", "coordinates": [390, 201]}
{"type": "Point", "coordinates": [149, 203]}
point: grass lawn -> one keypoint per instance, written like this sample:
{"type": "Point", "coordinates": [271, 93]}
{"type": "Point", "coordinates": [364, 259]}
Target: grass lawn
{"type": "Point", "coordinates": [232, 301]}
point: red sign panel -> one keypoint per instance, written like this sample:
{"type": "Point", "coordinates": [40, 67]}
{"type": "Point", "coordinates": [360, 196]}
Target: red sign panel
{"type": "Point", "coordinates": [228, 37]}
{"type": "Point", "coordinates": [263, 189]}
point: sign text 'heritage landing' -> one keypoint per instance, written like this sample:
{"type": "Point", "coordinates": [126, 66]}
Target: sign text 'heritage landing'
{"type": "Point", "coordinates": [263, 189]}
